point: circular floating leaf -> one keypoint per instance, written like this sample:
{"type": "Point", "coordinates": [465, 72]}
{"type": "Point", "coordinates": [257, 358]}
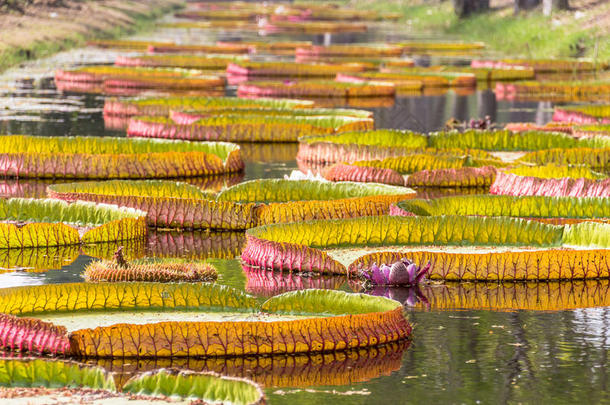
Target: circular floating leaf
{"type": "Point", "coordinates": [316, 88]}
{"type": "Point", "coordinates": [543, 208]}
{"type": "Point", "coordinates": [298, 246]}
{"type": "Point", "coordinates": [241, 206]}
{"type": "Point", "coordinates": [97, 157]}
{"type": "Point", "coordinates": [510, 184]}
{"type": "Point", "coordinates": [245, 128]}
{"type": "Point", "coordinates": [163, 106]}
{"type": "Point", "coordinates": [351, 321]}
{"type": "Point", "coordinates": [46, 223]}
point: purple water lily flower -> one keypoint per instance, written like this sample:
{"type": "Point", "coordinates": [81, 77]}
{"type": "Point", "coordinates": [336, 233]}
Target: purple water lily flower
{"type": "Point", "coordinates": [401, 273]}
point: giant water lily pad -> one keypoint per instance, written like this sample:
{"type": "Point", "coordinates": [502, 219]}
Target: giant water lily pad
{"type": "Point", "coordinates": [162, 106]}
{"type": "Point", "coordinates": [179, 205]}
{"type": "Point", "coordinates": [598, 158]}
{"type": "Point", "coordinates": [460, 248]}
{"type": "Point", "coordinates": [245, 128]}
{"type": "Point", "coordinates": [351, 50]}
{"type": "Point", "coordinates": [31, 223]}
{"type": "Point", "coordinates": [186, 117]}
{"type": "Point", "coordinates": [316, 88]}
{"type": "Point", "coordinates": [504, 140]}
{"type": "Point", "coordinates": [583, 114]}
{"type": "Point", "coordinates": [507, 183]}
{"type": "Point", "coordinates": [107, 79]}
{"type": "Point", "coordinates": [205, 320]}
{"type": "Point", "coordinates": [291, 69]}
{"type": "Point", "coordinates": [591, 90]}
{"type": "Point", "coordinates": [93, 74]}
{"type": "Point", "coordinates": [181, 61]}
{"type": "Point", "coordinates": [95, 157]}
{"type": "Point", "coordinates": [539, 65]}
{"type": "Point", "coordinates": [547, 209]}
{"type": "Point", "coordinates": [405, 79]}
{"type": "Point", "coordinates": [383, 144]}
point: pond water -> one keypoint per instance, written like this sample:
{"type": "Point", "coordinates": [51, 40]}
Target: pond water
{"type": "Point", "coordinates": [461, 355]}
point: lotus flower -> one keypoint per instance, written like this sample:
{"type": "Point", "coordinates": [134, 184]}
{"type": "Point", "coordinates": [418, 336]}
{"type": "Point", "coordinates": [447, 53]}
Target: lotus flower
{"type": "Point", "coordinates": [401, 273]}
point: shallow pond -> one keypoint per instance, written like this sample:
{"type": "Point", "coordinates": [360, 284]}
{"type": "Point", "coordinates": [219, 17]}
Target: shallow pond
{"type": "Point", "coordinates": [456, 356]}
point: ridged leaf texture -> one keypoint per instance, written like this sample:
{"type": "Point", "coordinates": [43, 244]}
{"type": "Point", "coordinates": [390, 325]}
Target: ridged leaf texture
{"type": "Point", "coordinates": [552, 171]}
{"type": "Point", "coordinates": [241, 206]}
{"type": "Point", "coordinates": [181, 61]}
{"type": "Point", "coordinates": [340, 172]}
{"type": "Point", "coordinates": [275, 190]}
{"type": "Point", "coordinates": [101, 72]}
{"type": "Point", "coordinates": [379, 137]}
{"type": "Point", "coordinates": [110, 296]}
{"type": "Point", "coordinates": [188, 339]}
{"type": "Point", "coordinates": [245, 128]}
{"type": "Point", "coordinates": [359, 321]}
{"type": "Point", "coordinates": [277, 112]}
{"type": "Point", "coordinates": [387, 230]}
{"type": "Point", "coordinates": [162, 106]}
{"type": "Point", "coordinates": [139, 188]}
{"type": "Point", "coordinates": [52, 223]}
{"type": "Point", "coordinates": [595, 158]}
{"type": "Point", "coordinates": [107, 145]}
{"type": "Point", "coordinates": [598, 111]}
{"type": "Point", "coordinates": [511, 184]}
{"type": "Point", "coordinates": [587, 234]}
{"type": "Point", "coordinates": [316, 88]}
{"type": "Point", "coordinates": [320, 121]}
{"type": "Point", "coordinates": [519, 265]}
{"type": "Point", "coordinates": [461, 177]}
{"type": "Point", "coordinates": [330, 302]}
{"type": "Point", "coordinates": [292, 69]}
{"type": "Point", "coordinates": [32, 335]}
{"type": "Point", "coordinates": [415, 162]}
{"type": "Point", "coordinates": [297, 246]}
{"type": "Point", "coordinates": [497, 205]}
{"type": "Point", "coordinates": [50, 210]}
{"type": "Point", "coordinates": [512, 141]}
{"type": "Point", "coordinates": [107, 157]}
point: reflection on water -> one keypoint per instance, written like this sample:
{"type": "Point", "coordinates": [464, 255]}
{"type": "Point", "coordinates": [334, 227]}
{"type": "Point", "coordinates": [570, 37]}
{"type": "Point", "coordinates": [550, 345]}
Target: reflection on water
{"type": "Point", "coordinates": [461, 353]}
{"type": "Point", "coordinates": [340, 368]}
{"type": "Point", "coordinates": [269, 283]}
{"type": "Point", "coordinates": [488, 357]}
{"type": "Point", "coordinates": [510, 296]}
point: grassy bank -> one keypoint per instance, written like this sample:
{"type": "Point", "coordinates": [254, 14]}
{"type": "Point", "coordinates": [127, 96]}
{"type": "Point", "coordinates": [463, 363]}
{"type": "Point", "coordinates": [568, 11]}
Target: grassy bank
{"type": "Point", "coordinates": [43, 31]}
{"type": "Point", "coordinates": [530, 34]}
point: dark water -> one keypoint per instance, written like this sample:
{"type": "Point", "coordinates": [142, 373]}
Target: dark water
{"type": "Point", "coordinates": [460, 352]}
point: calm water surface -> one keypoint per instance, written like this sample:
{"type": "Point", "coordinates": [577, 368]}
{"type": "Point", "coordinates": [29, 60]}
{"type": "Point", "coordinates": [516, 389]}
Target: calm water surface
{"type": "Point", "coordinates": [462, 355]}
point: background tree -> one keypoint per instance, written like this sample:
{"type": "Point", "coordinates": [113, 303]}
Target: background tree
{"type": "Point", "coordinates": [464, 8]}
{"type": "Point", "coordinates": [548, 6]}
